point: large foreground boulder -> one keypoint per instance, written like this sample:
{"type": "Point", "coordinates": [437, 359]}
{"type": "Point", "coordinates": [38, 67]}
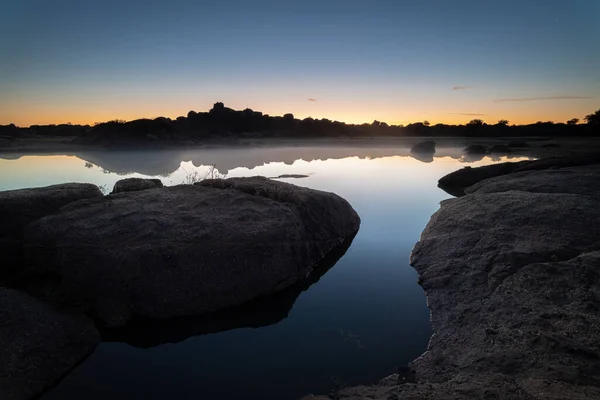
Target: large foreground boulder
{"type": "Point", "coordinates": [18, 208]}
{"type": "Point", "coordinates": [512, 277]}
{"type": "Point", "coordinates": [185, 250]}
{"type": "Point", "coordinates": [38, 345]}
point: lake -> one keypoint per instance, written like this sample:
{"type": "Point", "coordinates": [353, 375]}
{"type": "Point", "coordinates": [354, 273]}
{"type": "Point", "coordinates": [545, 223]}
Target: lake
{"type": "Point", "coordinates": [362, 319]}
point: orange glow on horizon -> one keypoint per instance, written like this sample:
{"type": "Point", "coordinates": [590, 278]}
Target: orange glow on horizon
{"type": "Point", "coordinates": [25, 113]}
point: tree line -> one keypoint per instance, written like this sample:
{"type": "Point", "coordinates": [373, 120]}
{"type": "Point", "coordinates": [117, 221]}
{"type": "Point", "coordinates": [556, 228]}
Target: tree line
{"type": "Point", "coordinates": [224, 122]}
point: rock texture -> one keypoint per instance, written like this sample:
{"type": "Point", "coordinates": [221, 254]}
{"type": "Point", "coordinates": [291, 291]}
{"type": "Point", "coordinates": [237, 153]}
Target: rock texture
{"type": "Point", "coordinates": [512, 276]}
{"type": "Point", "coordinates": [261, 312]}
{"type": "Point", "coordinates": [185, 250]}
{"type": "Point", "coordinates": [456, 182]}
{"type": "Point", "coordinates": [136, 184]}
{"type": "Point", "coordinates": [18, 208]}
{"type": "Point", "coordinates": [38, 345]}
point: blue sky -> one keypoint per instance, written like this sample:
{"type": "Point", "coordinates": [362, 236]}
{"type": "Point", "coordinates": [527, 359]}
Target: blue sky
{"type": "Point", "coordinates": [396, 61]}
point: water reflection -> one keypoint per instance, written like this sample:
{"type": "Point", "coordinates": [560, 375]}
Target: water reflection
{"type": "Point", "coordinates": [355, 325]}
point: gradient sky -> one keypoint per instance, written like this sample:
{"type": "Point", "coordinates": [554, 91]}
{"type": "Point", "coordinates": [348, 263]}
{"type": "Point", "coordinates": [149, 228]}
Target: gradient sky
{"type": "Point", "coordinates": [354, 61]}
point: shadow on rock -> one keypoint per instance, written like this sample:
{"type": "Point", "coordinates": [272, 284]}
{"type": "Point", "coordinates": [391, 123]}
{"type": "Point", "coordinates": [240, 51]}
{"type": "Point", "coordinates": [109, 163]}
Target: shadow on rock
{"type": "Point", "coordinates": [270, 310]}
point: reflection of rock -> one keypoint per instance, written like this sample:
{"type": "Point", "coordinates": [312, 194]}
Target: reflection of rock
{"type": "Point", "coordinates": [264, 311]}
{"type": "Point", "coordinates": [185, 250]}
{"type": "Point", "coordinates": [18, 208]}
{"type": "Point", "coordinates": [423, 151]}
{"type": "Point", "coordinates": [511, 273]}
{"type": "Point", "coordinates": [38, 345]}
{"type": "Point", "coordinates": [136, 184]}
{"type": "Point", "coordinates": [427, 146]}
{"type": "Point", "coordinates": [146, 162]}
{"type": "Point", "coordinates": [423, 157]}
{"type": "Point", "coordinates": [155, 162]}
{"type": "Point", "coordinates": [475, 149]}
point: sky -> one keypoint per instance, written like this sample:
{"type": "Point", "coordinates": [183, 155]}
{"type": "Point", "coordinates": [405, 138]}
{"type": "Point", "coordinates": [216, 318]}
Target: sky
{"type": "Point", "coordinates": [354, 61]}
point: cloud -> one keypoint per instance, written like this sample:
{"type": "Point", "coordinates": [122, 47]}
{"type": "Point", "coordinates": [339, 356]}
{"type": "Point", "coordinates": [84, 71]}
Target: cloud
{"type": "Point", "coordinates": [516, 99]}
{"type": "Point", "coordinates": [462, 87]}
{"type": "Point", "coordinates": [469, 114]}
{"type": "Point", "coordinates": [313, 100]}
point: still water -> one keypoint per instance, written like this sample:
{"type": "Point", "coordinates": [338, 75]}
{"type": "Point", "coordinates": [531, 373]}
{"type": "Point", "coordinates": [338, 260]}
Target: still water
{"type": "Point", "coordinates": [363, 318]}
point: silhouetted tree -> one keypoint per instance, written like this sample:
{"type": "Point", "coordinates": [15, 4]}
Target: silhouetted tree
{"type": "Point", "coordinates": [503, 122]}
{"type": "Point", "coordinates": [593, 119]}
{"type": "Point", "coordinates": [573, 121]}
{"type": "Point", "coordinates": [475, 122]}
{"type": "Point", "coordinates": [288, 116]}
{"type": "Point", "coordinates": [426, 123]}
{"type": "Point", "coordinates": [218, 108]}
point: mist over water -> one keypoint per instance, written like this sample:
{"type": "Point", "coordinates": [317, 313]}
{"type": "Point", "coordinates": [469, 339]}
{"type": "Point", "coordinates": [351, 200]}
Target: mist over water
{"type": "Point", "coordinates": [364, 317]}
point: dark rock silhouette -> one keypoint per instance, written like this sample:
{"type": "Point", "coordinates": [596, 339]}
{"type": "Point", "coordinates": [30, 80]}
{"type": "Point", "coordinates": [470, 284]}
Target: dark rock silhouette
{"type": "Point", "coordinates": [268, 310]}
{"type": "Point", "coordinates": [18, 208]}
{"type": "Point", "coordinates": [427, 146]}
{"type": "Point", "coordinates": [511, 276]}
{"type": "Point", "coordinates": [158, 261]}
{"type": "Point", "coordinates": [39, 345]}
{"type": "Point", "coordinates": [136, 184]}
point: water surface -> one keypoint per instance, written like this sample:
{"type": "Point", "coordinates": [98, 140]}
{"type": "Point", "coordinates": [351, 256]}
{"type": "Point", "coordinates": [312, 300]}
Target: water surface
{"type": "Point", "coordinates": [363, 318]}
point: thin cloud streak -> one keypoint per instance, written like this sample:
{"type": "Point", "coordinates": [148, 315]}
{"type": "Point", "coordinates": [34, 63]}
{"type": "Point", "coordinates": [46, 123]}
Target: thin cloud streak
{"type": "Point", "coordinates": [462, 88]}
{"type": "Point", "coordinates": [313, 100]}
{"type": "Point", "coordinates": [517, 99]}
{"type": "Point", "coordinates": [469, 114]}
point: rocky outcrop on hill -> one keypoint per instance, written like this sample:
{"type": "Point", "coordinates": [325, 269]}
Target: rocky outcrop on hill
{"type": "Point", "coordinates": [512, 275]}
{"type": "Point", "coordinates": [184, 250]}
